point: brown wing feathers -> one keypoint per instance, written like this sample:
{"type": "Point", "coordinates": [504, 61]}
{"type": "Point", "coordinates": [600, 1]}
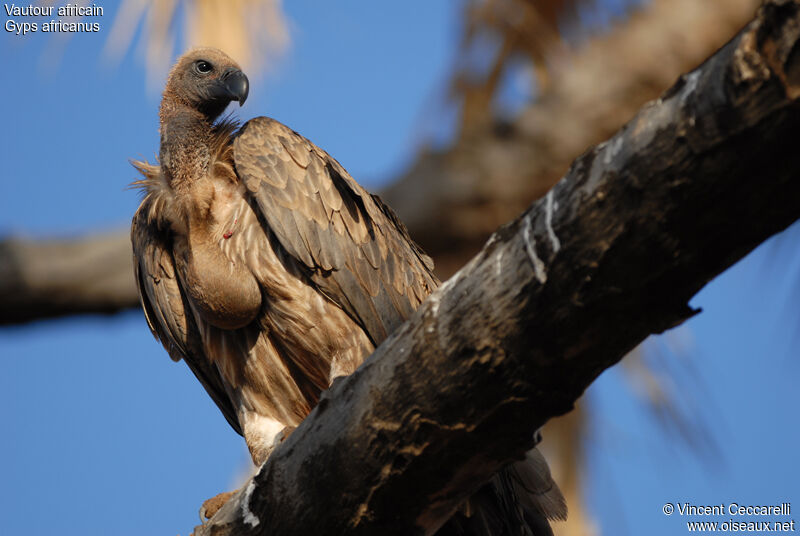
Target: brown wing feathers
{"type": "Point", "coordinates": [343, 235]}
{"type": "Point", "coordinates": [269, 270]}
{"type": "Point", "coordinates": [165, 306]}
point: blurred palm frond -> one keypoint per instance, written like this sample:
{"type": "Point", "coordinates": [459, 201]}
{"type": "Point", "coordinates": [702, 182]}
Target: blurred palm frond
{"type": "Point", "coordinates": [253, 32]}
{"type": "Point", "coordinates": [495, 34]}
{"type": "Point", "coordinates": [677, 398]}
{"type": "Point", "coordinates": [501, 35]}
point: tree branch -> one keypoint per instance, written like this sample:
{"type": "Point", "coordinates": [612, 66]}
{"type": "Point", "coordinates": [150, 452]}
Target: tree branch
{"type": "Point", "coordinates": [43, 279]}
{"type": "Point", "coordinates": [612, 254]}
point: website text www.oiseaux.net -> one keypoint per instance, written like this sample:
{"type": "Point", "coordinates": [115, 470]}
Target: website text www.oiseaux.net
{"type": "Point", "coordinates": [749, 521]}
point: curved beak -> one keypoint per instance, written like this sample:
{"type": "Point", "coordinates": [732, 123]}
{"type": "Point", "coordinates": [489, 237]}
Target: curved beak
{"type": "Point", "coordinates": [235, 84]}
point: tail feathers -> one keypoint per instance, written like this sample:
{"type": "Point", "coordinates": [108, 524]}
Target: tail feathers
{"type": "Point", "coordinates": [535, 489]}
{"type": "Point", "coordinates": [518, 501]}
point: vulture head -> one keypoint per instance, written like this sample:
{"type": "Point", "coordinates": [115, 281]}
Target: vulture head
{"type": "Point", "coordinates": [207, 80]}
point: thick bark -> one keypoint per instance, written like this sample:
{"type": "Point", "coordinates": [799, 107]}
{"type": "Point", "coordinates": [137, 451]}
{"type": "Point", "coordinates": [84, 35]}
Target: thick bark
{"type": "Point", "coordinates": [610, 255]}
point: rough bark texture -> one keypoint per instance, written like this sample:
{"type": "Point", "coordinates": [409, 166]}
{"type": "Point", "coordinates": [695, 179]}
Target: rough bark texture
{"type": "Point", "coordinates": [610, 255]}
{"type": "Point", "coordinates": [450, 200]}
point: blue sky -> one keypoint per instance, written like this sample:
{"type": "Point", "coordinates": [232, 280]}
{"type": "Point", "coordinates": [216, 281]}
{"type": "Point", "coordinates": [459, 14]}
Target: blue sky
{"type": "Point", "coordinates": [103, 434]}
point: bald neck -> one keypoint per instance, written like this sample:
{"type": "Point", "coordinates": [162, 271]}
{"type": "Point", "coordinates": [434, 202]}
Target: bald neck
{"type": "Point", "coordinates": [185, 136]}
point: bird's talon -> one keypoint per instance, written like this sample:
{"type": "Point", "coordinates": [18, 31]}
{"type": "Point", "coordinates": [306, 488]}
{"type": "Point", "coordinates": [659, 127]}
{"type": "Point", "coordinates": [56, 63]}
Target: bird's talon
{"type": "Point", "coordinates": [212, 506]}
{"type": "Point", "coordinates": [282, 436]}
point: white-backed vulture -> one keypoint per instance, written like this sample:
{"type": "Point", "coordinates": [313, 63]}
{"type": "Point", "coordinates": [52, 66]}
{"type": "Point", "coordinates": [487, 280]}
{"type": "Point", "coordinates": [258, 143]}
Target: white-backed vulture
{"type": "Point", "coordinates": [270, 271]}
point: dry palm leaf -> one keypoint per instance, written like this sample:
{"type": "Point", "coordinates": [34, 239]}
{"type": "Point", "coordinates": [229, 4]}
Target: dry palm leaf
{"type": "Point", "coordinates": [252, 31]}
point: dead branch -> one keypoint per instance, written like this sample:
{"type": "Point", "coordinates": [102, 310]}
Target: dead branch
{"type": "Point", "coordinates": [610, 255]}
{"type": "Point", "coordinates": [49, 278]}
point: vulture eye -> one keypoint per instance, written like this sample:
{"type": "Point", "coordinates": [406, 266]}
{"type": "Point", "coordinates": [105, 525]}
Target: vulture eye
{"type": "Point", "coordinates": [203, 67]}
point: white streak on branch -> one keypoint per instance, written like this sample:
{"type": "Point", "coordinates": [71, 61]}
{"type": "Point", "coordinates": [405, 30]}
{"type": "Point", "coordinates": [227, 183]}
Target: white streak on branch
{"type": "Point", "coordinates": [548, 220]}
{"type": "Point", "coordinates": [611, 149]}
{"type": "Point", "coordinates": [530, 247]}
{"type": "Point", "coordinates": [434, 301]}
{"type": "Point", "coordinates": [247, 515]}
{"type": "Point", "coordinates": [498, 263]}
